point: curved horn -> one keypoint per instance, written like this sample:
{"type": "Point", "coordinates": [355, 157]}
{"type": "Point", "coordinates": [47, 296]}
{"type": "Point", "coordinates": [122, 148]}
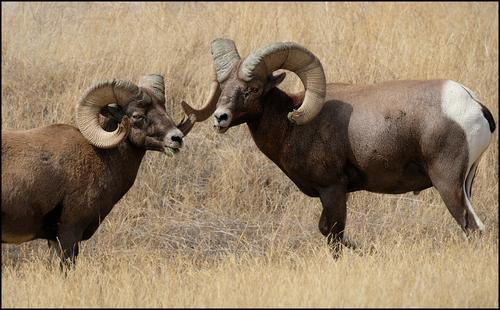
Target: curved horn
{"type": "Point", "coordinates": [187, 123]}
{"type": "Point", "coordinates": [208, 107]}
{"type": "Point", "coordinates": [91, 103]}
{"type": "Point", "coordinates": [155, 84]}
{"type": "Point", "coordinates": [295, 58]}
{"type": "Point", "coordinates": [225, 56]}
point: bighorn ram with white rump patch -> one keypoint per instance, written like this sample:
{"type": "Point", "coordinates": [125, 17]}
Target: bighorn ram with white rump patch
{"type": "Point", "coordinates": [59, 183]}
{"type": "Point", "coordinates": [331, 139]}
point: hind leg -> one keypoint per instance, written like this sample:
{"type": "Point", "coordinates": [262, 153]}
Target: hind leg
{"type": "Point", "coordinates": [451, 185]}
{"type": "Point", "coordinates": [472, 217]}
{"type": "Point", "coordinates": [470, 178]}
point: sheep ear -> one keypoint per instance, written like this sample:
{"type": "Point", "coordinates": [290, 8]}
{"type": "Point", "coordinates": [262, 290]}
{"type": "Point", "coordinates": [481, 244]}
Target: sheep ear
{"type": "Point", "coordinates": [113, 111]}
{"type": "Point", "coordinates": [274, 80]}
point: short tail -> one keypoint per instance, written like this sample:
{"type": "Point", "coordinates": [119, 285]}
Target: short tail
{"type": "Point", "coordinates": [489, 118]}
{"type": "Point", "coordinates": [486, 112]}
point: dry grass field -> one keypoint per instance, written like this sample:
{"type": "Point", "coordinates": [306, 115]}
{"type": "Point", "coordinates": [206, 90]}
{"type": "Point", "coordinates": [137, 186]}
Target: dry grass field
{"type": "Point", "coordinates": [229, 229]}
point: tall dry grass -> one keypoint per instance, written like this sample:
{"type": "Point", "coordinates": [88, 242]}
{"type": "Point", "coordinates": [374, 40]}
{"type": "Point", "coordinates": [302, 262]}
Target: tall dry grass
{"type": "Point", "coordinates": [229, 228]}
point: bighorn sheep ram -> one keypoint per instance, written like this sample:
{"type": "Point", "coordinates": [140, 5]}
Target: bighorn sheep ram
{"type": "Point", "coordinates": [392, 137]}
{"type": "Point", "coordinates": [59, 183]}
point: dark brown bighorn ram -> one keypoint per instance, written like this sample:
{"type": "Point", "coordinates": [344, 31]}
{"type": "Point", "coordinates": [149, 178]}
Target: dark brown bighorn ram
{"type": "Point", "coordinates": [58, 186]}
{"type": "Point", "coordinates": [331, 139]}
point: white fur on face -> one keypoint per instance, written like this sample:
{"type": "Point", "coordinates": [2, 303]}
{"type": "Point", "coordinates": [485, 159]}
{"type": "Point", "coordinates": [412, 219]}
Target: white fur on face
{"type": "Point", "coordinates": [173, 143]}
{"type": "Point", "coordinates": [225, 122]}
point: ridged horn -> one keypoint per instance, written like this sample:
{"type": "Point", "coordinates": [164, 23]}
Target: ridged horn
{"type": "Point", "coordinates": [91, 103]}
{"type": "Point", "coordinates": [293, 57]}
{"type": "Point", "coordinates": [208, 107]}
{"type": "Point", "coordinates": [187, 123]}
{"type": "Point", "coordinates": [155, 84]}
{"type": "Point", "coordinates": [225, 55]}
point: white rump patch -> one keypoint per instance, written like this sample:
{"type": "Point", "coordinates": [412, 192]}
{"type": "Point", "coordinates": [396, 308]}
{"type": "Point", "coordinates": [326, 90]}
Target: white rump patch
{"type": "Point", "coordinates": [460, 106]}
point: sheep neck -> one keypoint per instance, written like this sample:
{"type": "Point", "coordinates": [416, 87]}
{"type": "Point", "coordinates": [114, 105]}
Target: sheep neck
{"type": "Point", "coordinates": [269, 129]}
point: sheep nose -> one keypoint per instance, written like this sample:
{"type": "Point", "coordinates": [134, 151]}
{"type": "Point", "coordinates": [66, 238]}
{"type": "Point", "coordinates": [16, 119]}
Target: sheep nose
{"type": "Point", "coordinates": [221, 118]}
{"type": "Point", "coordinates": [177, 139]}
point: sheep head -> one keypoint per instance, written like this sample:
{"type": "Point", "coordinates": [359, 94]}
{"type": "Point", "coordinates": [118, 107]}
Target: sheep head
{"type": "Point", "coordinates": [238, 85]}
{"type": "Point", "coordinates": [139, 112]}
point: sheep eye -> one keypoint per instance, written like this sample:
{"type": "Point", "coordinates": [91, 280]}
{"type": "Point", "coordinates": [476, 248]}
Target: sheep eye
{"type": "Point", "coordinates": [137, 117]}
